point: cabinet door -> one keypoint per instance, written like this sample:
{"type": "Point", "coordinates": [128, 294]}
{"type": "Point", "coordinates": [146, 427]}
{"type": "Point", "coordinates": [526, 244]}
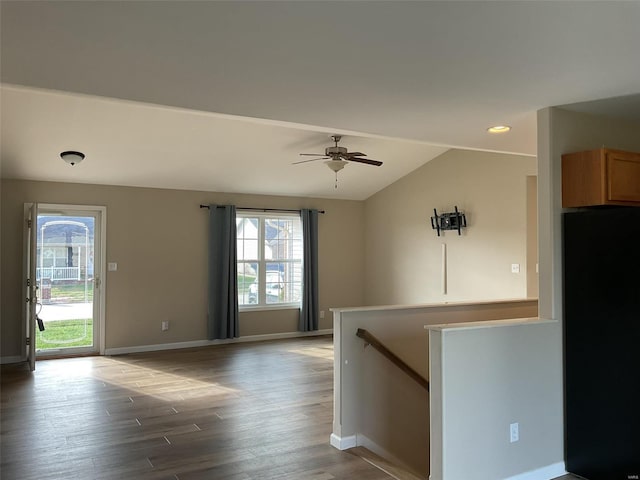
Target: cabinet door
{"type": "Point", "coordinates": [623, 177]}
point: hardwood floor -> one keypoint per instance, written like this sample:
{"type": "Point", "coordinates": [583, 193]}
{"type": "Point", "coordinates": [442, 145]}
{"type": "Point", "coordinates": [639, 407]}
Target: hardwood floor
{"type": "Point", "coordinates": [229, 412]}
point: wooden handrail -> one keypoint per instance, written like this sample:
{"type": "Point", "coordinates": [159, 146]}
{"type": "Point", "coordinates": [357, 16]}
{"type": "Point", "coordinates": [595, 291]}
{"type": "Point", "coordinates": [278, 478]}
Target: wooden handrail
{"type": "Point", "coordinates": [397, 361]}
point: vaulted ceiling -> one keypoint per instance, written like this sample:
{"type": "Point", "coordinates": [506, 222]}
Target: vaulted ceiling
{"type": "Point", "coordinates": [222, 96]}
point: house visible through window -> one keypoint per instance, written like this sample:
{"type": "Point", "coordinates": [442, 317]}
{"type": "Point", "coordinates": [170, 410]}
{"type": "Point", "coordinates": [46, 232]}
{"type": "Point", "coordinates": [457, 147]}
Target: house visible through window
{"type": "Point", "coordinates": [269, 259]}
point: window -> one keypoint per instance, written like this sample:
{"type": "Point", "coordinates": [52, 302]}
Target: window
{"type": "Point", "coordinates": [269, 259]}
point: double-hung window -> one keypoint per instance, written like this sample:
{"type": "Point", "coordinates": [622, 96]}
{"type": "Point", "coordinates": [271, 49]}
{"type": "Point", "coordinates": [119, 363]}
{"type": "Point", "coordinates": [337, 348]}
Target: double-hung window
{"type": "Point", "coordinates": [269, 259]}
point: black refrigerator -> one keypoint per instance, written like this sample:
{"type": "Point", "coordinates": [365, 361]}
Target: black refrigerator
{"type": "Point", "coordinates": [601, 251]}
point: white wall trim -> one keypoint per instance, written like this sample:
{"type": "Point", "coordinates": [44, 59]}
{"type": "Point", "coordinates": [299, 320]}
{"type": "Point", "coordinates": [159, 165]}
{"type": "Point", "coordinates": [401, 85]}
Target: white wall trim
{"type": "Point", "coordinates": [544, 473]}
{"type": "Point", "coordinates": [103, 278]}
{"type": "Point", "coordinates": [342, 443]}
{"type": "Point", "coordinates": [12, 359]}
{"type": "Point", "coordinates": [205, 343]}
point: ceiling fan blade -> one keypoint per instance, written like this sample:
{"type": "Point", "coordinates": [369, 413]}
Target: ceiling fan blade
{"type": "Point", "coordinates": [356, 154]}
{"type": "Point", "coordinates": [312, 154]}
{"type": "Point", "coordinates": [310, 160]}
{"type": "Point", "coordinates": [368, 161]}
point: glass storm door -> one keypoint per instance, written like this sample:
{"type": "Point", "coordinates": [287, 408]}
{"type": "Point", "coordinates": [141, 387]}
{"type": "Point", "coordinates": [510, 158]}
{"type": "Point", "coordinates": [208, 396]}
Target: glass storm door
{"type": "Point", "coordinates": [67, 272]}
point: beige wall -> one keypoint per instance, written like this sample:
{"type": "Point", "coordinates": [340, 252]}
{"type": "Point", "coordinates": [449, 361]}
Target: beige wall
{"type": "Point", "coordinates": [403, 253]}
{"type": "Point", "coordinates": [485, 379]}
{"type": "Point", "coordinates": [532, 237]}
{"type": "Point", "coordinates": [377, 404]}
{"type": "Point", "coordinates": [159, 240]}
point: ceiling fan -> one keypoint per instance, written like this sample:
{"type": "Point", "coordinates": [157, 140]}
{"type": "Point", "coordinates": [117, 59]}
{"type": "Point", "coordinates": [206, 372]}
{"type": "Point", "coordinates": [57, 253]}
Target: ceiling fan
{"type": "Point", "coordinates": [337, 157]}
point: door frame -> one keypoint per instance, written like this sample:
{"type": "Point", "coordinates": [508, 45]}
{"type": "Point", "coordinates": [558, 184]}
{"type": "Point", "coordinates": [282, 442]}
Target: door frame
{"type": "Point", "coordinates": [100, 260]}
{"type": "Point", "coordinates": [29, 290]}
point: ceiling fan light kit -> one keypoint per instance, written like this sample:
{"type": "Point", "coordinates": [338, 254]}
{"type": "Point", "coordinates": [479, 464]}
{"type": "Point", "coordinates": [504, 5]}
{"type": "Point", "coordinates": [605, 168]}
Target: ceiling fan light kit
{"type": "Point", "coordinates": [337, 157]}
{"type": "Point", "coordinates": [336, 166]}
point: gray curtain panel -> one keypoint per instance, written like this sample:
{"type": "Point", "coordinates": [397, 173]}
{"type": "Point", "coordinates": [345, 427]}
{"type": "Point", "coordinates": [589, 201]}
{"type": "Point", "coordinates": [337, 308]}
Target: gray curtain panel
{"type": "Point", "coordinates": [310, 311]}
{"type": "Point", "coordinates": [223, 273]}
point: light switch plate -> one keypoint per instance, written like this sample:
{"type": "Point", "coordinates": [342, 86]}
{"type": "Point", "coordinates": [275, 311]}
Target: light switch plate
{"type": "Point", "coordinates": [112, 266]}
{"type": "Point", "coordinates": [515, 268]}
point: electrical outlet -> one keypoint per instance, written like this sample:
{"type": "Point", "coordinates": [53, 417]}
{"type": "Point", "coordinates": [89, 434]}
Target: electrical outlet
{"type": "Point", "coordinates": [321, 313]}
{"type": "Point", "coordinates": [514, 432]}
{"type": "Point", "coordinates": [165, 325]}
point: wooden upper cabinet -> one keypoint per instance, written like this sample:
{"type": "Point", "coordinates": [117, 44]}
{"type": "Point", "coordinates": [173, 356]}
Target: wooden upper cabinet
{"type": "Point", "coordinates": [600, 177]}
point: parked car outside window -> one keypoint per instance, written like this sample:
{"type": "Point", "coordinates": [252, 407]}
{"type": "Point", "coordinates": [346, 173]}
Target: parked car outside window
{"type": "Point", "coordinates": [274, 283]}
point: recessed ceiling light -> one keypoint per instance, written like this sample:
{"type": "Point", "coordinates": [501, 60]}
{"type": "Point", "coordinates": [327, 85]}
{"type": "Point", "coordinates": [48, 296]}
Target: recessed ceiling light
{"type": "Point", "coordinates": [499, 129]}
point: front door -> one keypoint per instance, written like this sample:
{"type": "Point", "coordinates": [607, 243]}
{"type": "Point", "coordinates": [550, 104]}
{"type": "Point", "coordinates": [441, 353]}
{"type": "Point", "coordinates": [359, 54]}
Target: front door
{"type": "Point", "coordinates": [68, 272]}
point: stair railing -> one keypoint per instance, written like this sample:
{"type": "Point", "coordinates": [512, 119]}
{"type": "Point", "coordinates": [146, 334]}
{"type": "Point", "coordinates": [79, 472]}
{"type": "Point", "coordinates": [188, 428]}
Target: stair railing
{"type": "Point", "coordinates": [397, 361]}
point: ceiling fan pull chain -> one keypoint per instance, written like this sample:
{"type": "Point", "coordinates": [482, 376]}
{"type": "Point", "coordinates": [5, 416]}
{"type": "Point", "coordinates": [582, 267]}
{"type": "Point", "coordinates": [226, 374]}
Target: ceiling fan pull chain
{"type": "Point", "coordinates": [336, 185]}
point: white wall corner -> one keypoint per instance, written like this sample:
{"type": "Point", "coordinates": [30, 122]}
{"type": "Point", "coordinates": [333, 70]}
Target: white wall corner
{"type": "Point", "coordinates": [342, 443]}
{"type": "Point", "coordinates": [544, 473]}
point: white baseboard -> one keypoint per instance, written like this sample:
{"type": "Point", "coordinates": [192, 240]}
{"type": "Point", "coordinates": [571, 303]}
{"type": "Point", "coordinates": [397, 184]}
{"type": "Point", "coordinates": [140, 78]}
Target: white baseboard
{"type": "Point", "coordinates": [205, 343]}
{"type": "Point", "coordinates": [13, 359]}
{"type": "Point", "coordinates": [544, 473]}
{"type": "Point", "coordinates": [366, 442]}
{"type": "Point", "coordinates": [342, 443]}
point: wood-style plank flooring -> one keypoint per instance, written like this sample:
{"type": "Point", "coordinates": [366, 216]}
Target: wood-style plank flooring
{"type": "Point", "coordinates": [229, 412]}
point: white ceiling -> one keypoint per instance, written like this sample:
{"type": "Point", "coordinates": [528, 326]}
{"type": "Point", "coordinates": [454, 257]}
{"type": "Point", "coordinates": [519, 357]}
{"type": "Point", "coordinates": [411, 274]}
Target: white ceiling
{"type": "Point", "coordinates": [129, 143]}
{"type": "Point", "coordinates": [222, 96]}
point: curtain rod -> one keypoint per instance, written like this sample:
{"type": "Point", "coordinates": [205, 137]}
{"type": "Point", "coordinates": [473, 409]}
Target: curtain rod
{"type": "Point", "coordinates": [264, 209]}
